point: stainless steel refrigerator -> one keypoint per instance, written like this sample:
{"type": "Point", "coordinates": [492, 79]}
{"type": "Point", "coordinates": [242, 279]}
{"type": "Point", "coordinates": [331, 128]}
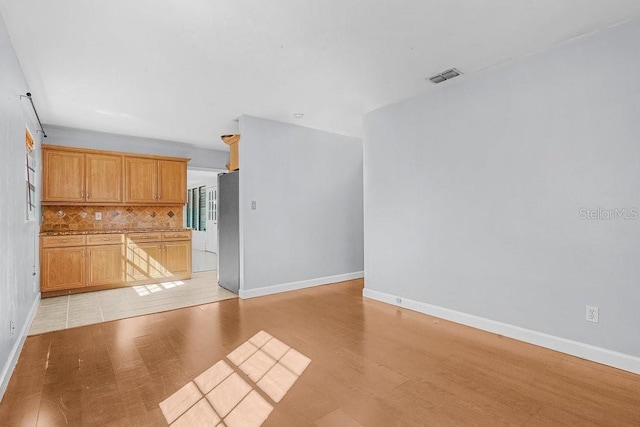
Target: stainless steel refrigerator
{"type": "Point", "coordinates": [229, 231]}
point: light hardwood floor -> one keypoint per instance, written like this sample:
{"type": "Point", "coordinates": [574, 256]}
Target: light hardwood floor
{"type": "Point", "coordinates": [371, 364]}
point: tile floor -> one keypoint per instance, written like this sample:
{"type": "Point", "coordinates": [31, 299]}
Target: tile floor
{"type": "Point", "coordinates": [203, 261]}
{"type": "Point", "coordinates": [94, 307]}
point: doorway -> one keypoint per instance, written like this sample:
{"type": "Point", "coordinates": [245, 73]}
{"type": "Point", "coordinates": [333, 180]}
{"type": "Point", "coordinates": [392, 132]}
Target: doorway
{"type": "Point", "coordinates": [201, 216]}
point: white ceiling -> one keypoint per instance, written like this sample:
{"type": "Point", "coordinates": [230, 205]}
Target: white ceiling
{"type": "Point", "coordinates": [184, 70]}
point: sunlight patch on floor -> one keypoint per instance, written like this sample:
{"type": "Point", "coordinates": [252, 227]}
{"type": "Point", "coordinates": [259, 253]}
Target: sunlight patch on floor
{"type": "Point", "coordinates": [221, 396]}
{"type": "Point", "coordinates": [143, 290]}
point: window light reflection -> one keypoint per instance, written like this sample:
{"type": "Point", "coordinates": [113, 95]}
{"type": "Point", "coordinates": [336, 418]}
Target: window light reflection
{"type": "Point", "coordinates": [221, 394]}
{"type": "Point", "coordinates": [143, 290]}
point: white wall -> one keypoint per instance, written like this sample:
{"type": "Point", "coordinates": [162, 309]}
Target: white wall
{"type": "Point", "coordinates": [19, 288]}
{"type": "Point", "coordinates": [307, 228]}
{"type": "Point", "coordinates": [473, 194]}
{"type": "Point", "coordinates": [200, 157]}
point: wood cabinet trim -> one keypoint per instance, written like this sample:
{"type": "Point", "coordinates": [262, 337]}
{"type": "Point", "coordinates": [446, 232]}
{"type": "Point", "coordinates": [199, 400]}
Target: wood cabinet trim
{"type": "Point", "coordinates": [144, 237]}
{"type": "Point", "coordinates": [104, 239]}
{"type": "Point", "coordinates": [117, 153]}
{"type": "Point", "coordinates": [62, 241]}
{"type": "Point", "coordinates": [176, 235]}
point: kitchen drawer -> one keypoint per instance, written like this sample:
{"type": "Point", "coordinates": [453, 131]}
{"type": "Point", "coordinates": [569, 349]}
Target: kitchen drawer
{"type": "Point", "coordinates": [61, 241]}
{"type": "Point", "coordinates": [105, 239]}
{"type": "Point", "coordinates": [176, 235]}
{"type": "Point", "coordinates": [144, 237]}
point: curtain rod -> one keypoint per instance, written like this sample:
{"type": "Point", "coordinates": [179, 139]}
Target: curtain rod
{"type": "Point", "coordinates": [28, 96]}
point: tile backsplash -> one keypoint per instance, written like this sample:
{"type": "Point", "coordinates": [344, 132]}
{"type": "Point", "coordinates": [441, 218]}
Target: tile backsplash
{"type": "Point", "coordinates": [59, 218]}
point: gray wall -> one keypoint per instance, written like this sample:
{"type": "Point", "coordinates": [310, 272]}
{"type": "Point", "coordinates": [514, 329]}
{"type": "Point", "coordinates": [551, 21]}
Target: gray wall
{"type": "Point", "coordinates": [308, 188]}
{"type": "Point", "coordinates": [473, 192]}
{"type": "Point", "coordinates": [200, 157]}
{"type": "Point", "coordinates": [19, 288]}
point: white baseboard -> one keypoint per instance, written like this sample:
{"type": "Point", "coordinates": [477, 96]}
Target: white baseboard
{"type": "Point", "coordinates": [586, 351]}
{"type": "Point", "coordinates": [292, 286]}
{"type": "Point", "coordinates": [7, 369]}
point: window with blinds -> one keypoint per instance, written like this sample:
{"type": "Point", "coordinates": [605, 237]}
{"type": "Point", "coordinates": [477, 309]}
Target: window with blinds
{"type": "Point", "coordinates": [196, 217]}
{"type": "Point", "coordinates": [202, 209]}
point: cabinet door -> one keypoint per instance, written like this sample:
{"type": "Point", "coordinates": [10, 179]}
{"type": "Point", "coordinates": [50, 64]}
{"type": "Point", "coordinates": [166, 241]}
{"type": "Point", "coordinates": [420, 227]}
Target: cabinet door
{"type": "Point", "coordinates": [62, 268]}
{"type": "Point", "coordinates": [104, 178]}
{"type": "Point", "coordinates": [144, 261]}
{"type": "Point", "coordinates": [172, 182]}
{"type": "Point", "coordinates": [141, 180]}
{"type": "Point", "coordinates": [177, 258]}
{"type": "Point", "coordinates": [106, 265]}
{"type": "Point", "coordinates": [62, 176]}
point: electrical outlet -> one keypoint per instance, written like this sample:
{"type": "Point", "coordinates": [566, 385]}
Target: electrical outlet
{"type": "Point", "coordinates": [98, 216]}
{"type": "Point", "coordinates": [12, 327]}
{"type": "Point", "coordinates": [592, 314]}
{"type": "Point", "coordinates": [398, 300]}
{"type": "Point", "coordinates": [253, 205]}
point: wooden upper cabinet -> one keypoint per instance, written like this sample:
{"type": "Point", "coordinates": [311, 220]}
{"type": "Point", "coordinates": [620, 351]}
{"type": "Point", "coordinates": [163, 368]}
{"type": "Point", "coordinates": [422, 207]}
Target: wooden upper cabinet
{"type": "Point", "coordinates": [63, 176]}
{"type": "Point", "coordinates": [155, 181]}
{"type": "Point", "coordinates": [104, 178]}
{"type": "Point", "coordinates": [172, 182]}
{"type": "Point", "coordinates": [76, 176]}
{"type": "Point", "coordinates": [141, 180]}
{"type": "Point", "coordinates": [70, 176]}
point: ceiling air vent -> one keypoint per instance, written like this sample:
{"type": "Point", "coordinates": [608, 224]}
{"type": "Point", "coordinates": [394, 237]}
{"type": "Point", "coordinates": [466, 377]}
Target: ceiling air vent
{"type": "Point", "coordinates": [445, 75]}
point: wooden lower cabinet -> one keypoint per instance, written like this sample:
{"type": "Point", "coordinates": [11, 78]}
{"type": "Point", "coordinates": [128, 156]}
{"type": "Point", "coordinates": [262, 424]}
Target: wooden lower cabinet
{"type": "Point", "coordinates": [177, 258]}
{"type": "Point", "coordinates": [144, 261]}
{"type": "Point", "coordinates": [148, 261]}
{"type": "Point", "coordinates": [62, 268]}
{"type": "Point", "coordinates": [75, 263]}
{"type": "Point", "coordinates": [105, 265]}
